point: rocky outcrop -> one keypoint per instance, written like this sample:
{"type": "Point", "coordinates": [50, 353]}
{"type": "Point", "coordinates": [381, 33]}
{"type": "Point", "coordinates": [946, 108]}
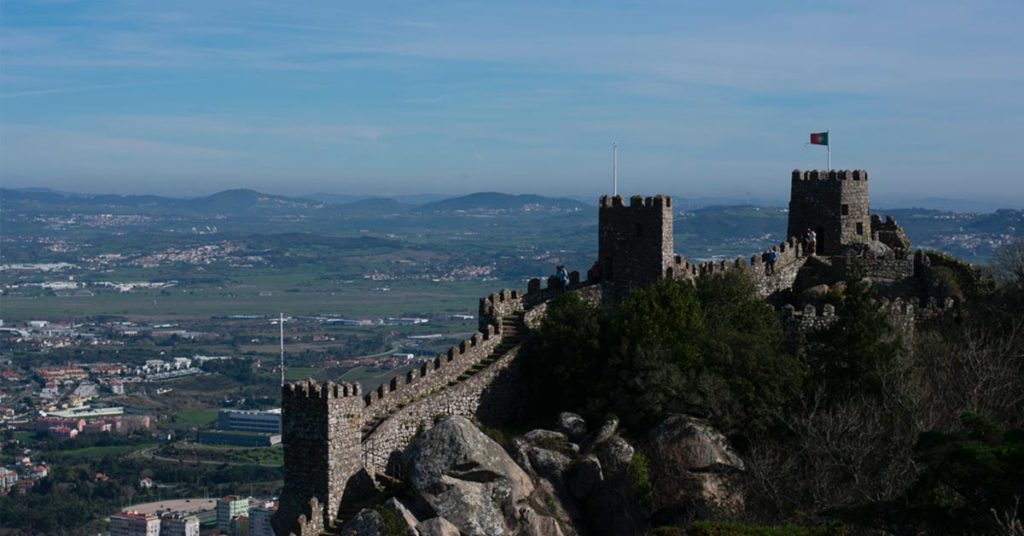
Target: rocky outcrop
{"type": "Point", "coordinates": [693, 470]}
{"type": "Point", "coordinates": [457, 481]}
{"type": "Point", "coordinates": [437, 526]}
{"type": "Point", "coordinates": [402, 512]}
{"type": "Point", "coordinates": [365, 523]}
{"type": "Point", "coordinates": [572, 425]}
{"type": "Point", "coordinates": [469, 480]}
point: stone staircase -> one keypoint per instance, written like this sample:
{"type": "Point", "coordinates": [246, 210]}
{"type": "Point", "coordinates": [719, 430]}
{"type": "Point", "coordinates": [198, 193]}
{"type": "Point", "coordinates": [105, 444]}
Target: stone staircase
{"type": "Point", "coordinates": [513, 330]}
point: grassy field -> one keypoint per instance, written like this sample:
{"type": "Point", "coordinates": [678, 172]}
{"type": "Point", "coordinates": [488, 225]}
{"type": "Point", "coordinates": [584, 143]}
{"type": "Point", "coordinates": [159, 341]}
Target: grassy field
{"type": "Point", "coordinates": [361, 299]}
{"type": "Point", "coordinates": [300, 373]}
{"type": "Point", "coordinates": [371, 377]}
{"type": "Point", "coordinates": [97, 452]}
{"type": "Point", "coordinates": [222, 453]}
{"type": "Point", "coordinates": [196, 417]}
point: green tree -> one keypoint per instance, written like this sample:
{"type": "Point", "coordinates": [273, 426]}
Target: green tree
{"type": "Point", "coordinates": [972, 483]}
{"type": "Point", "coordinates": [856, 354]}
{"type": "Point", "coordinates": [716, 350]}
{"type": "Point", "coordinates": [564, 359]}
{"type": "Point", "coordinates": [750, 377]}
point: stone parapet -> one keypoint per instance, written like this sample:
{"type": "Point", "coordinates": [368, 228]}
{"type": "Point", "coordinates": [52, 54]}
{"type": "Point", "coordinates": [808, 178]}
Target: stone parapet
{"type": "Point", "coordinates": [431, 376]}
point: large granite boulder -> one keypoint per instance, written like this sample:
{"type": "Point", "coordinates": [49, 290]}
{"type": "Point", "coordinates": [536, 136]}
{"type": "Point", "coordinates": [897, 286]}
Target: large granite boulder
{"type": "Point", "coordinates": [572, 425]}
{"type": "Point", "coordinates": [437, 526]}
{"type": "Point", "coordinates": [366, 523]}
{"type": "Point", "coordinates": [467, 478]}
{"type": "Point", "coordinates": [402, 512]}
{"type": "Point", "coordinates": [693, 470]}
{"type": "Point", "coordinates": [584, 476]}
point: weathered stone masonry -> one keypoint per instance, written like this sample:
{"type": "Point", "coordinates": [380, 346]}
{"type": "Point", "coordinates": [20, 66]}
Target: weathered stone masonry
{"type": "Point", "coordinates": [834, 204]}
{"type": "Point", "coordinates": [335, 434]}
{"type": "Point", "coordinates": [634, 243]}
{"type": "Point", "coordinates": [332, 432]}
{"type": "Point", "coordinates": [321, 426]}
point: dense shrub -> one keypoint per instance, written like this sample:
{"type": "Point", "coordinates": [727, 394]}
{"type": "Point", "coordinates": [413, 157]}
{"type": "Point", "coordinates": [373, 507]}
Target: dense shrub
{"type": "Point", "coordinates": [714, 349]}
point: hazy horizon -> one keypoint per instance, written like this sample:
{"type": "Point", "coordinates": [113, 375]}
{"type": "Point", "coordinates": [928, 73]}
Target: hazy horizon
{"type": "Point", "coordinates": [451, 98]}
{"type": "Point", "coordinates": [684, 202]}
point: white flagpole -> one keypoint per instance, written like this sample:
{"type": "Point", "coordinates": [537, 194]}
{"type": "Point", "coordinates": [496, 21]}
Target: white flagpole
{"type": "Point", "coordinates": [615, 168]}
{"type": "Point", "coordinates": [280, 325]}
{"type": "Point", "coordinates": [828, 146]}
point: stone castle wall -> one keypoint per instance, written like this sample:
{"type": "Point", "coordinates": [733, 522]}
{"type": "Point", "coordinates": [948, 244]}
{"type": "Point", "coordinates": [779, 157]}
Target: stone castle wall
{"type": "Point", "coordinates": [834, 204]}
{"type": "Point", "coordinates": [635, 243]}
{"type": "Point", "coordinates": [895, 269]}
{"type": "Point", "coordinates": [891, 234]}
{"type": "Point", "coordinates": [436, 374]}
{"type": "Point", "coordinates": [902, 314]}
{"type": "Point", "coordinates": [489, 396]}
{"type": "Point", "coordinates": [321, 425]}
{"type": "Point", "coordinates": [332, 432]}
{"type": "Point", "coordinates": [790, 259]}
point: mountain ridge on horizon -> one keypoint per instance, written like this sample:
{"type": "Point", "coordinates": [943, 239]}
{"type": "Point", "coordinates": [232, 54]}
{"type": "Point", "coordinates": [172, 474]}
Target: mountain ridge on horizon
{"type": "Point", "coordinates": [486, 200]}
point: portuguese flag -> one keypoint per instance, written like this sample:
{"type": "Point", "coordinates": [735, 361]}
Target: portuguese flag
{"type": "Point", "coordinates": [819, 138]}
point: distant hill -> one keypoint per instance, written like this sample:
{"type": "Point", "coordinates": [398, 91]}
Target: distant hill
{"type": "Point", "coordinates": [373, 207]}
{"type": "Point", "coordinates": [334, 199]}
{"type": "Point", "coordinates": [498, 201]}
{"type": "Point", "coordinates": [344, 199]}
{"type": "Point", "coordinates": [731, 222]}
{"type": "Point", "coordinates": [227, 202]}
{"type": "Point", "coordinates": [233, 201]}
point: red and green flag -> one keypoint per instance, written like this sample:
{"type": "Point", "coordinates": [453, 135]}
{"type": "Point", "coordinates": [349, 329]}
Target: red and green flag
{"type": "Point", "coordinates": [819, 138]}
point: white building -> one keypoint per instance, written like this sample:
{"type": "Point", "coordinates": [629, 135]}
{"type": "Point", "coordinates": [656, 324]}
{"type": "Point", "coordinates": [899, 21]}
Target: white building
{"type": "Point", "coordinates": [259, 518]}
{"type": "Point", "coordinates": [8, 479]}
{"type": "Point", "coordinates": [134, 524]}
{"type": "Point", "coordinates": [236, 420]}
{"type": "Point", "coordinates": [179, 524]}
{"type": "Point", "coordinates": [228, 509]}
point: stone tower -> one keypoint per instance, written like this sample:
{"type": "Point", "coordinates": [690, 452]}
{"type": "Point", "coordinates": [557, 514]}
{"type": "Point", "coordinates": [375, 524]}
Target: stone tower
{"type": "Point", "coordinates": [320, 428]}
{"type": "Point", "coordinates": [634, 242]}
{"type": "Point", "coordinates": [834, 204]}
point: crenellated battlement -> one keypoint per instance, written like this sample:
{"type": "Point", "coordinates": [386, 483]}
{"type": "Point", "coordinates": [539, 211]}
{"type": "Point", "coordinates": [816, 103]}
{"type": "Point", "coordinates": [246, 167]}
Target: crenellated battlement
{"type": "Point", "coordinates": [902, 314]}
{"type": "Point", "coordinates": [436, 373]}
{"type": "Point", "coordinates": [830, 175]}
{"type": "Point", "coordinates": [497, 305]}
{"type": "Point", "coordinates": [790, 259]}
{"type": "Point", "coordinates": [634, 243]}
{"type": "Point", "coordinates": [312, 390]}
{"type": "Point", "coordinates": [657, 202]}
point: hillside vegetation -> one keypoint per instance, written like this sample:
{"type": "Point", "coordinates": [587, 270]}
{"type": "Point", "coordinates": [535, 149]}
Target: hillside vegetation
{"type": "Point", "coordinates": [856, 424]}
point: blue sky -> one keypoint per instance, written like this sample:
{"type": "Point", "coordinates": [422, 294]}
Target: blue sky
{"type": "Point", "coordinates": [704, 98]}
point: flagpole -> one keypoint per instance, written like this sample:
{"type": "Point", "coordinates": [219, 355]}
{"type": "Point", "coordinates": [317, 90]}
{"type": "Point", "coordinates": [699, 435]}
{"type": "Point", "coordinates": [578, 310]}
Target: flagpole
{"type": "Point", "coordinates": [828, 136]}
{"type": "Point", "coordinates": [615, 169]}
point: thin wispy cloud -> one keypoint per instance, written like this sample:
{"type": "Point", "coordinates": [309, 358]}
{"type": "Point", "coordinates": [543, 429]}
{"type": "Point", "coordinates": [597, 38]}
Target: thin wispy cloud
{"type": "Point", "coordinates": [418, 95]}
{"type": "Point", "coordinates": [63, 90]}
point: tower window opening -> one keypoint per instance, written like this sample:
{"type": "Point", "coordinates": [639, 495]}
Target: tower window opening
{"type": "Point", "coordinates": [860, 227]}
{"type": "Point", "coordinates": [846, 210]}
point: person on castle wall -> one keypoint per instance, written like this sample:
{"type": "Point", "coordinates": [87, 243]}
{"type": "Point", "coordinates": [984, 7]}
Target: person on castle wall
{"type": "Point", "coordinates": [764, 260]}
{"type": "Point", "coordinates": [563, 276]}
{"type": "Point", "coordinates": [773, 257]}
{"type": "Point", "coordinates": [594, 273]}
{"type": "Point", "coordinates": [811, 242]}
